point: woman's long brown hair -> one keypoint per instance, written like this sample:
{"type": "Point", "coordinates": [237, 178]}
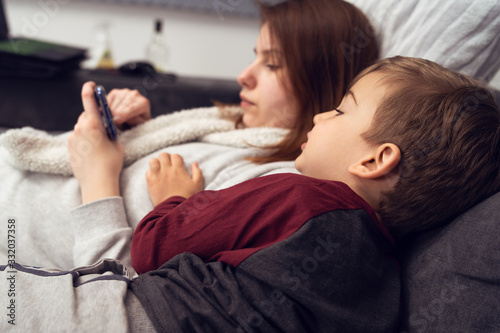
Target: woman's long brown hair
{"type": "Point", "coordinates": [324, 45]}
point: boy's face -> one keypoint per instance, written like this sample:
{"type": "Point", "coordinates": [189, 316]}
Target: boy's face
{"type": "Point", "coordinates": [335, 142]}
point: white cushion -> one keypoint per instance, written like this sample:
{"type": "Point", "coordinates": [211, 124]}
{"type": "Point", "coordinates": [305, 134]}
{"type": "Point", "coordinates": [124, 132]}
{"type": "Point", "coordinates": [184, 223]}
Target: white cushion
{"type": "Point", "coordinates": [462, 35]}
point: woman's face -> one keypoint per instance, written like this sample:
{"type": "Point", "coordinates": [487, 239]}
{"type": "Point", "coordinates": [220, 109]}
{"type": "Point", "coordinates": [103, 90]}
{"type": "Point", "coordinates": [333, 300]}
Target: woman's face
{"type": "Point", "coordinates": [266, 97]}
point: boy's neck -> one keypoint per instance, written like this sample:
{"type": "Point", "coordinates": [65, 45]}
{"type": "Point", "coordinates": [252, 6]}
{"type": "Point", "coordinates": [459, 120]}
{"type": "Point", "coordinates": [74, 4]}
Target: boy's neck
{"type": "Point", "coordinates": [371, 190]}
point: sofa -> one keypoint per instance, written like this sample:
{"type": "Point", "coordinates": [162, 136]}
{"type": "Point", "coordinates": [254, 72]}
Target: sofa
{"type": "Point", "coordinates": [54, 104]}
{"type": "Point", "coordinates": [451, 275]}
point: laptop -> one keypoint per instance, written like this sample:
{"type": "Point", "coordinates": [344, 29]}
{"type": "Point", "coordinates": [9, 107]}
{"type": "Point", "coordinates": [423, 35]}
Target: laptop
{"type": "Point", "coordinates": [34, 58]}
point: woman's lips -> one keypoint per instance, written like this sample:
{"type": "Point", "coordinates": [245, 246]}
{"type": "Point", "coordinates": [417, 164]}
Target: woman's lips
{"type": "Point", "coordinates": [245, 102]}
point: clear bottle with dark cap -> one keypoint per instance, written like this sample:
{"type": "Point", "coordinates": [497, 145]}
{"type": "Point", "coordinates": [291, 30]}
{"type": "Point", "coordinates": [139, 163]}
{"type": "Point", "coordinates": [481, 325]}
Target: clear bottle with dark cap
{"type": "Point", "coordinates": [157, 52]}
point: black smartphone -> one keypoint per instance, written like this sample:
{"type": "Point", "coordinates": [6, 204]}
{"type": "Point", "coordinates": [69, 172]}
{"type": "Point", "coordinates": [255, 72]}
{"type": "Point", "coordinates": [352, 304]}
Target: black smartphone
{"type": "Point", "coordinates": [107, 117]}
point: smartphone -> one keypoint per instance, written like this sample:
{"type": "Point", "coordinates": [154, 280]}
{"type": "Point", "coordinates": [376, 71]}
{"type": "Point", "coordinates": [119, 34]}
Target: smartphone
{"type": "Point", "coordinates": [107, 117]}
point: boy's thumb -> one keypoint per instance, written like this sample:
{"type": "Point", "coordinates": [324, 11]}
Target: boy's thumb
{"type": "Point", "coordinates": [196, 173]}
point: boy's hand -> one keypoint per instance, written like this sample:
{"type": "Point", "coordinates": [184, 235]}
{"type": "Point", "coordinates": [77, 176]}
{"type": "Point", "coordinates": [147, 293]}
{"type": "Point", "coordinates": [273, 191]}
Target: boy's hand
{"type": "Point", "coordinates": [167, 178]}
{"type": "Point", "coordinates": [95, 160]}
{"type": "Point", "coordinates": [128, 107]}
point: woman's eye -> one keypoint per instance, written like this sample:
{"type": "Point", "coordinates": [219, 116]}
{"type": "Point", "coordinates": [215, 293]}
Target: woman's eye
{"type": "Point", "coordinates": [272, 67]}
{"type": "Point", "coordinates": [339, 112]}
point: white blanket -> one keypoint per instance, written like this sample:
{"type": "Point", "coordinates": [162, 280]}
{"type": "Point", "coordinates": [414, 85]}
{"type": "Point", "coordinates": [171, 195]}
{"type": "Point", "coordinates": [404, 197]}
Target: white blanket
{"type": "Point", "coordinates": [41, 202]}
{"type": "Point", "coordinates": [38, 151]}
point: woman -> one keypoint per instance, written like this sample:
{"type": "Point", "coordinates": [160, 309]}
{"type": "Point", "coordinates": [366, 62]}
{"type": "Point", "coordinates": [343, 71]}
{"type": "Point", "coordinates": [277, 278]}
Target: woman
{"type": "Point", "coordinates": [311, 50]}
{"type": "Point", "coordinates": [306, 53]}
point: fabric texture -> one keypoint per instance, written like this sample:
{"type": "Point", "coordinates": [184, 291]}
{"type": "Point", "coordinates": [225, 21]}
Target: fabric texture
{"type": "Point", "coordinates": [47, 229]}
{"type": "Point", "coordinates": [461, 35]}
{"type": "Point", "coordinates": [333, 273]}
{"type": "Point", "coordinates": [231, 224]}
{"type": "Point", "coordinates": [451, 275]}
{"type": "Point", "coordinates": [101, 231]}
{"type": "Point", "coordinates": [38, 151]}
{"type": "Point", "coordinates": [138, 318]}
{"type": "Point", "coordinates": [321, 279]}
{"type": "Point", "coordinates": [87, 299]}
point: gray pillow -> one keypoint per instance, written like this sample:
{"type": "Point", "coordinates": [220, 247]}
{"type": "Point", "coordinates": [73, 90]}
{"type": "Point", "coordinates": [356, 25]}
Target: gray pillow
{"type": "Point", "coordinates": [451, 275]}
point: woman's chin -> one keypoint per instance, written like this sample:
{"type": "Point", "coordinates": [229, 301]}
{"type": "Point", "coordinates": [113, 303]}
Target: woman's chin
{"type": "Point", "coordinates": [250, 121]}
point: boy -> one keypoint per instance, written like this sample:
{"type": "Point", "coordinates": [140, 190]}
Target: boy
{"type": "Point", "coordinates": [411, 146]}
{"type": "Point", "coordinates": [294, 253]}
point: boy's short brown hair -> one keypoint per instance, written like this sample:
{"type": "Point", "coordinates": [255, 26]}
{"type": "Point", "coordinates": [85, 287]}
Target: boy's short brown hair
{"type": "Point", "coordinates": [447, 127]}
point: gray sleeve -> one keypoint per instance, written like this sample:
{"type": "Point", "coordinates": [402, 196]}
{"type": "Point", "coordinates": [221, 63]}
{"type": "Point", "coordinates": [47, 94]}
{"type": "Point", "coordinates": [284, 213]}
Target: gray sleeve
{"type": "Point", "coordinates": [101, 231]}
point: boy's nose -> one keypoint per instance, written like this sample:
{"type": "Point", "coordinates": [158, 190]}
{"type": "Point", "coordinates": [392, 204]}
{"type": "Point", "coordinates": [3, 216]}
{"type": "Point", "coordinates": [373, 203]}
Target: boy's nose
{"type": "Point", "coordinates": [320, 116]}
{"type": "Point", "coordinates": [316, 119]}
{"type": "Point", "coordinates": [323, 115]}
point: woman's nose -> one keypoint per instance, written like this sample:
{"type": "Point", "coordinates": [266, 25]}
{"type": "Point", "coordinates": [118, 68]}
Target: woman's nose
{"type": "Point", "coordinates": [247, 77]}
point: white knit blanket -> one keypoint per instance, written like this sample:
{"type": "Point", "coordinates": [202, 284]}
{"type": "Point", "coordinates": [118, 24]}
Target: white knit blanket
{"type": "Point", "coordinates": [38, 151]}
{"type": "Point", "coordinates": [42, 201]}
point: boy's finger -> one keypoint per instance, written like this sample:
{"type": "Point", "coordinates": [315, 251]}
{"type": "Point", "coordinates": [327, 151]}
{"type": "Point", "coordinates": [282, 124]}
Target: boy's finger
{"type": "Point", "coordinates": [177, 160]}
{"type": "Point", "coordinates": [154, 165]}
{"type": "Point", "coordinates": [196, 173]}
{"type": "Point", "coordinates": [164, 159]}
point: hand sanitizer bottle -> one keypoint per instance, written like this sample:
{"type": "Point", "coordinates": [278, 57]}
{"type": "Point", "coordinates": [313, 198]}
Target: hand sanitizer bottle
{"type": "Point", "coordinates": [157, 51]}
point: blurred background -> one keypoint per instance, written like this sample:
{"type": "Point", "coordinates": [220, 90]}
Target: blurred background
{"type": "Point", "coordinates": [205, 38]}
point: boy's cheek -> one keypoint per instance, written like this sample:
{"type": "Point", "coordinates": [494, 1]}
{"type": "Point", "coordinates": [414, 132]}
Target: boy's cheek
{"type": "Point", "coordinates": [301, 165]}
{"type": "Point", "coordinates": [298, 163]}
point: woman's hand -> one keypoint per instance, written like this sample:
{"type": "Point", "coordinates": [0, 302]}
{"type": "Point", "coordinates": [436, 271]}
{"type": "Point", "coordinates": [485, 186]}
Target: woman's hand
{"type": "Point", "coordinates": [95, 160]}
{"type": "Point", "coordinates": [128, 107]}
{"type": "Point", "coordinates": [167, 178]}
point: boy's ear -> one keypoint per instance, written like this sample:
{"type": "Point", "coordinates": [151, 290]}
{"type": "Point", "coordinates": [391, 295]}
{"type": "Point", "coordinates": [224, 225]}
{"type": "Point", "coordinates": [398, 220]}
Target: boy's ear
{"type": "Point", "coordinates": [384, 159]}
